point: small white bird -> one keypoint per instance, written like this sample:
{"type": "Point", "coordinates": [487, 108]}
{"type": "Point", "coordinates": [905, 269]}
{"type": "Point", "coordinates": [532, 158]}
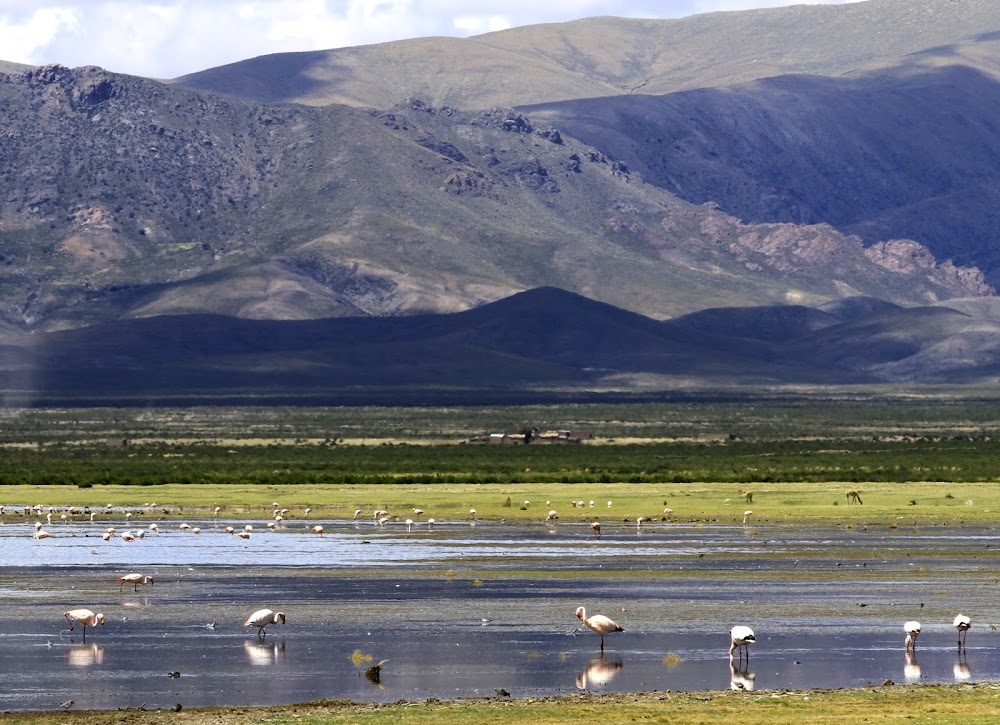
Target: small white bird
{"type": "Point", "coordinates": [135, 580]}
{"type": "Point", "coordinates": [84, 617]}
{"type": "Point", "coordinates": [741, 637]}
{"type": "Point", "coordinates": [963, 624]}
{"type": "Point", "coordinates": [598, 623]}
{"type": "Point", "coordinates": [263, 617]}
{"type": "Point", "coordinates": [912, 629]}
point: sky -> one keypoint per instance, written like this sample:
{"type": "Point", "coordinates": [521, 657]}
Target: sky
{"type": "Point", "coordinates": [169, 38]}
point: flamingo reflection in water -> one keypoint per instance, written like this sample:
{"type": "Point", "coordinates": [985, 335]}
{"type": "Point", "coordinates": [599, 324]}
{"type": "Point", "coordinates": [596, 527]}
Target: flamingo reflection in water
{"type": "Point", "coordinates": [911, 671]}
{"type": "Point", "coordinates": [599, 672]}
{"type": "Point", "coordinates": [85, 655]}
{"type": "Point", "coordinates": [261, 653]}
{"type": "Point", "coordinates": [961, 668]}
{"type": "Point", "coordinates": [740, 677]}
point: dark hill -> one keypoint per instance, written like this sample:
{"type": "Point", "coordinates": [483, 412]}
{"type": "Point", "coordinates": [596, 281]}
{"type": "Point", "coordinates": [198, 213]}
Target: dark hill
{"type": "Point", "coordinates": [538, 344]}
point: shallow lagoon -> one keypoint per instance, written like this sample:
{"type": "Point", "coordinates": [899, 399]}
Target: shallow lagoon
{"type": "Point", "coordinates": [462, 609]}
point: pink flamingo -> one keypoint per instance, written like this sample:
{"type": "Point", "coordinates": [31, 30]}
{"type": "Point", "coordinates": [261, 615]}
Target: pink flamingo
{"type": "Point", "coordinates": [598, 623]}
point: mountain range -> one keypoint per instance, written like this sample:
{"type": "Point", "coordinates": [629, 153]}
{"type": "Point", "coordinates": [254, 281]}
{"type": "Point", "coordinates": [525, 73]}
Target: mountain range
{"type": "Point", "coordinates": [775, 162]}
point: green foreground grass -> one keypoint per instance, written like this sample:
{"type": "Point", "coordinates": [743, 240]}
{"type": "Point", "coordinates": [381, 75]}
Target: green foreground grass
{"type": "Point", "coordinates": [944, 704]}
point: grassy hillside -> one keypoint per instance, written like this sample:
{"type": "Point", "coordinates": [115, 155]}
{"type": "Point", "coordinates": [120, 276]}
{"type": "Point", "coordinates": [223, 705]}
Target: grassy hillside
{"type": "Point", "coordinates": [606, 56]}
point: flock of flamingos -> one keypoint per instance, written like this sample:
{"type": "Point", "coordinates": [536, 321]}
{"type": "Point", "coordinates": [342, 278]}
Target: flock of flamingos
{"type": "Point", "coordinates": [741, 636]}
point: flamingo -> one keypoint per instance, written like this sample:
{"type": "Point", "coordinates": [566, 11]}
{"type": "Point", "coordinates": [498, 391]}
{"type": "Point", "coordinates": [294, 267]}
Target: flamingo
{"type": "Point", "coordinates": [272, 525]}
{"type": "Point", "coordinates": [307, 511]}
{"type": "Point", "coordinates": [263, 617]}
{"type": "Point", "coordinates": [184, 527]}
{"type": "Point", "coordinates": [746, 516]}
{"type": "Point", "coordinates": [244, 535]}
{"type": "Point", "coordinates": [472, 514]}
{"type": "Point", "coordinates": [552, 516]}
{"type": "Point", "coordinates": [963, 624]}
{"type": "Point", "coordinates": [106, 536]}
{"type": "Point", "coordinates": [430, 523]}
{"type": "Point", "coordinates": [128, 536]}
{"type": "Point", "coordinates": [596, 526]}
{"type": "Point", "coordinates": [912, 629]}
{"type": "Point", "coordinates": [741, 637]}
{"type": "Point", "coordinates": [317, 529]}
{"type": "Point", "coordinates": [229, 530]}
{"type": "Point", "coordinates": [409, 525]}
{"type": "Point", "coordinates": [84, 617]}
{"type": "Point", "coordinates": [135, 580]}
{"type": "Point", "coordinates": [417, 512]}
{"type": "Point", "coordinates": [598, 623]}
{"type": "Point", "coordinates": [42, 534]}
{"type": "Point", "coordinates": [154, 528]}
{"type": "Point", "coordinates": [217, 510]}
{"type": "Point", "coordinates": [357, 513]}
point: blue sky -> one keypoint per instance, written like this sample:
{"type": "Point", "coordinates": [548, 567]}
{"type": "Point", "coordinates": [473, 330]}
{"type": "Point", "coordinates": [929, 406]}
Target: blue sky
{"type": "Point", "coordinates": [168, 38]}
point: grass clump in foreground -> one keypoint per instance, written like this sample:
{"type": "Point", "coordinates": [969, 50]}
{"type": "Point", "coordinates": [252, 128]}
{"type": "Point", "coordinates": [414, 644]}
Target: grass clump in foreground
{"type": "Point", "coordinates": [944, 704]}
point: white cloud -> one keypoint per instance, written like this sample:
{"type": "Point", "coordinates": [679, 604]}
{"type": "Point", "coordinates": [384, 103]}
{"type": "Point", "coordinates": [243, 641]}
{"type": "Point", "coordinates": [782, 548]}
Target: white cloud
{"type": "Point", "coordinates": [23, 35]}
{"type": "Point", "coordinates": [168, 38]}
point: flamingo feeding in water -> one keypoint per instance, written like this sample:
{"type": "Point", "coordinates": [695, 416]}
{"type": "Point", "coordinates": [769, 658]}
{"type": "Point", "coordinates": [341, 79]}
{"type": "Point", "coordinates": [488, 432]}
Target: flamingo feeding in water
{"type": "Point", "coordinates": [317, 529]}
{"type": "Point", "coordinates": [596, 526]}
{"type": "Point", "coordinates": [263, 617]}
{"type": "Point", "coordinates": [135, 580]}
{"type": "Point", "coordinates": [741, 637]}
{"type": "Point", "coordinates": [598, 623]}
{"type": "Point", "coordinates": [963, 624]}
{"type": "Point", "coordinates": [912, 629]}
{"type": "Point", "coordinates": [84, 617]}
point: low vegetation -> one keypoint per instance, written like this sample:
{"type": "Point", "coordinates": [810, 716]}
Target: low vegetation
{"type": "Point", "coordinates": [943, 704]}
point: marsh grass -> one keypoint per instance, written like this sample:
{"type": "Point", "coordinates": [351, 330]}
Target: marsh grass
{"type": "Point", "coordinates": [938, 704]}
{"type": "Point", "coordinates": [702, 504]}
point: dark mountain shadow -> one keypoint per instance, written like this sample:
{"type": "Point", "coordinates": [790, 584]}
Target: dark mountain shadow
{"type": "Point", "coordinates": [542, 343]}
{"type": "Point", "coordinates": [912, 153]}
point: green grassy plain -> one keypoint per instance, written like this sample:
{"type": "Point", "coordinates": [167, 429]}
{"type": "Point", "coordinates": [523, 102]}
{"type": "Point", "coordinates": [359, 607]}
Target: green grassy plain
{"type": "Point", "coordinates": [940, 704]}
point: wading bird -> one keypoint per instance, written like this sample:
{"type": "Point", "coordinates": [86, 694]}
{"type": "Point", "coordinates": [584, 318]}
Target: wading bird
{"type": "Point", "coordinates": [263, 617]}
{"type": "Point", "coordinates": [135, 580]}
{"type": "Point", "coordinates": [740, 638]}
{"type": "Point", "coordinates": [84, 617]}
{"type": "Point", "coordinates": [598, 623]}
{"type": "Point", "coordinates": [963, 624]}
{"type": "Point", "coordinates": [746, 516]}
{"type": "Point", "coordinates": [317, 529]}
{"type": "Point", "coordinates": [912, 629]}
{"type": "Point", "coordinates": [596, 526]}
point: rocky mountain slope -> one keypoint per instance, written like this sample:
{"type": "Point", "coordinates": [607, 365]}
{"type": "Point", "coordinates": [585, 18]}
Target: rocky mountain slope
{"type": "Point", "coordinates": [910, 152]}
{"type": "Point", "coordinates": [124, 197]}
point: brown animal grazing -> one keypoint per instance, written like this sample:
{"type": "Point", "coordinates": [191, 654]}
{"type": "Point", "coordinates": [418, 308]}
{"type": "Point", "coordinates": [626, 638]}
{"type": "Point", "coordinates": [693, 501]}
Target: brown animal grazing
{"type": "Point", "coordinates": [748, 495]}
{"type": "Point", "coordinates": [853, 497]}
